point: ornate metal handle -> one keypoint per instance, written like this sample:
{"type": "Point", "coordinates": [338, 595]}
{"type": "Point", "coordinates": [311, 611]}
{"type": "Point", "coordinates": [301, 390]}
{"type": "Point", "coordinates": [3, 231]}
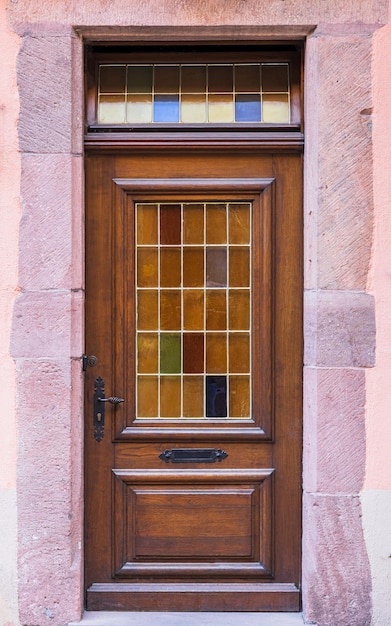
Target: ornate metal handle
{"type": "Point", "coordinates": [112, 400]}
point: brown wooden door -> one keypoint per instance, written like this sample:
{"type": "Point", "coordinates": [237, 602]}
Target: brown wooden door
{"type": "Point", "coordinates": [193, 311]}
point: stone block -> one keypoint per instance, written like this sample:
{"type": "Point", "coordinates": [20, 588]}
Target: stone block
{"type": "Point", "coordinates": [334, 430]}
{"type": "Point", "coordinates": [41, 325]}
{"type": "Point", "coordinates": [45, 88]}
{"type": "Point", "coordinates": [336, 575]}
{"type": "Point", "coordinates": [339, 329]}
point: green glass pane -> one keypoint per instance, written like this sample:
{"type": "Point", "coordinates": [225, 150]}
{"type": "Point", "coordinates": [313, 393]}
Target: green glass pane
{"type": "Point", "coordinates": [170, 353]}
{"type": "Point", "coordinates": [140, 79]}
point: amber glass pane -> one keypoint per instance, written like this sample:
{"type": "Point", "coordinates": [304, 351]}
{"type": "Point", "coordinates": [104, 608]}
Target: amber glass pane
{"type": "Point", "coordinates": [170, 353]}
{"type": "Point", "coordinates": [170, 310]}
{"type": "Point", "coordinates": [111, 110]}
{"type": "Point", "coordinates": [220, 78]}
{"type": "Point", "coordinates": [239, 353]}
{"type": "Point", "coordinates": [147, 232]}
{"type": "Point", "coordinates": [216, 353]}
{"type": "Point", "coordinates": [239, 396]}
{"type": "Point", "coordinates": [216, 267]}
{"type": "Point", "coordinates": [193, 353]}
{"type": "Point", "coordinates": [239, 309]}
{"type": "Point", "coordinates": [147, 353]}
{"type": "Point", "coordinates": [147, 308]}
{"type": "Point", "coordinates": [140, 78]}
{"type": "Point", "coordinates": [193, 310]}
{"type": "Point", "coordinates": [112, 78]}
{"type": "Point", "coordinates": [247, 78]}
{"type": "Point", "coordinates": [239, 267]}
{"type": "Point", "coordinates": [216, 223]}
{"type": "Point", "coordinates": [193, 223]}
{"type": "Point", "coordinates": [170, 224]}
{"type": "Point", "coordinates": [193, 79]}
{"type": "Point", "coordinates": [193, 267]}
{"type": "Point", "coordinates": [221, 108]}
{"type": "Point", "coordinates": [170, 396]}
{"type": "Point", "coordinates": [147, 267]}
{"type": "Point", "coordinates": [170, 267]}
{"type": "Point", "coordinates": [166, 79]}
{"type": "Point", "coordinates": [239, 223]}
{"type": "Point", "coordinates": [193, 396]}
{"type": "Point", "coordinates": [275, 78]}
{"type": "Point", "coordinates": [193, 108]}
{"type": "Point", "coordinates": [216, 313]}
{"type": "Point", "coordinates": [147, 396]}
{"type": "Point", "coordinates": [275, 108]}
{"type": "Point", "coordinates": [139, 109]}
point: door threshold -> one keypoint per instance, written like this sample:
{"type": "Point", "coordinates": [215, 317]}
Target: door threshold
{"type": "Point", "coordinates": [150, 618]}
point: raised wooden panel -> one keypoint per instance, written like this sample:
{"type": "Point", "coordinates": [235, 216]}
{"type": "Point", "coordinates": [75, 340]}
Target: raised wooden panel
{"type": "Point", "coordinates": [193, 522]}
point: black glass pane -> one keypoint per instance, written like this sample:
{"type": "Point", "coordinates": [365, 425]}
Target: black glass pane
{"type": "Point", "coordinates": [216, 396]}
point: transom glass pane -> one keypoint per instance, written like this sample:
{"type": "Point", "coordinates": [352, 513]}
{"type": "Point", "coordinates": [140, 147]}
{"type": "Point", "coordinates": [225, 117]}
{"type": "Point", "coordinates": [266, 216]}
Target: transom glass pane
{"type": "Point", "coordinates": [194, 94]}
{"type": "Point", "coordinates": [193, 310]}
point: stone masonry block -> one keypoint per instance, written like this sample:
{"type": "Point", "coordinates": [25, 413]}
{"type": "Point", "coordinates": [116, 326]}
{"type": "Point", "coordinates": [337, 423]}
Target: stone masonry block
{"type": "Point", "coordinates": [339, 329]}
{"type": "Point", "coordinates": [336, 575]}
{"type": "Point", "coordinates": [46, 224]}
{"type": "Point", "coordinates": [41, 325]}
{"type": "Point", "coordinates": [334, 430]}
{"type": "Point", "coordinates": [45, 86]}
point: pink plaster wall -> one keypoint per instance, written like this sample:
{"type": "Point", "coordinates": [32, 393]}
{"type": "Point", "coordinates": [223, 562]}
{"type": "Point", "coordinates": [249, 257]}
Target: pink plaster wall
{"type": "Point", "coordinates": [378, 467]}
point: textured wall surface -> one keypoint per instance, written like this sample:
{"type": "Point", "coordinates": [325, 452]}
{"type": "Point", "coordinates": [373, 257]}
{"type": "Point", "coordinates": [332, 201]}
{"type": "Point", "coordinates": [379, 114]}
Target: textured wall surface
{"type": "Point", "coordinates": [47, 330]}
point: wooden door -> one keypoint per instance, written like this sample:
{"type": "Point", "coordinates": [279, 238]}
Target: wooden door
{"type": "Point", "coordinates": [193, 312]}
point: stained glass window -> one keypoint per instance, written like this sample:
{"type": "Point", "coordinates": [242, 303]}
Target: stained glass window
{"type": "Point", "coordinates": [193, 317]}
{"type": "Point", "coordinates": [194, 93]}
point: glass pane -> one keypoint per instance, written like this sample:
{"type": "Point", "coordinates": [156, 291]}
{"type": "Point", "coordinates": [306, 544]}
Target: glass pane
{"type": "Point", "coordinates": [216, 353]}
{"type": "Point", "coordinates": [239, 353]}
{"type": "Point", "coordinates": [147, 353]}
{"type": "Point", "coordinates": [239, 267]}
{"type": "Point", "coordinates": [193, 109]}
{"type": "Point", "coordinates": [170, 310]}
{"type": "Point", "coordinates": [166, 108]}
{"type": "Point", "coordinates": [216, 267]}
{"type": "Point", "coordinates": [221, 108]}
{"type": "Point", "coordinates": [275, 109]}
{"type": "Point", "coordinates": [193, 353]}
{"type": "Point", "coordinates": [170, 224]}
{"type": "Point", "coordinates": [193, 396]}
{"type": "Point", "coordinates": [147, 267]}
{"type": "Point", "coordinates": [216, 223]}
{"type": "Point", "coordinates": [170, 267]}
{"type": "Point", "coordinates": [166, 79]}
{"type": "Point", "coordinates": [147, 396]}
{"type": "Point", "coordinates": [239, 396]}
{"type": "Point", "coordinates": [170, 353]}
{"type": "Point", "coordinates": [239, 309]}
{"type": "Point", "coordinates": [247, 78]}
{"type": "Point", "coordinates": [147, 224]}
{"type": "Point", "coordinates": [111, 110]}
{"type": "Point", "coordinates": [140, 79]}
{"type": "Point", "coordinates": [112, 78]}
{"type": "Point", "coordinates": [216, 313]}
{"type": "Point", "coordinates": [216, 396]}
{"type": "Point", "coordinates": [193, 223]}
{"type": "Point", "coordinates": [147, 308]}
{"type": "Point", "coordinates": [248, 108]}
{"type": "Point", "coordinates": [193, 267]}
{"type": "Point", "coordinates": [193, 79]}
{"type": "Point", "coordinates": [239, 223]}
{"type": "Point", "coordinates": [275, 77]}
{"type": "Point", "coordinates": [170, 396]}
{"type": "Point", "coordinates": [220, 78]}
{"type": "Point", "coordinates": [193, 310]}
{"type": "Point", "coordinates": [139, 109]}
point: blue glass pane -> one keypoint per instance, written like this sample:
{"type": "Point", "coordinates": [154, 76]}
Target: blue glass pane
{"type": "Point", "coordinates": [166, 108]}
{"type": "Point", "coordinates": [216, 396]}
{"type": "Point", "coordinates": [248, 108]}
